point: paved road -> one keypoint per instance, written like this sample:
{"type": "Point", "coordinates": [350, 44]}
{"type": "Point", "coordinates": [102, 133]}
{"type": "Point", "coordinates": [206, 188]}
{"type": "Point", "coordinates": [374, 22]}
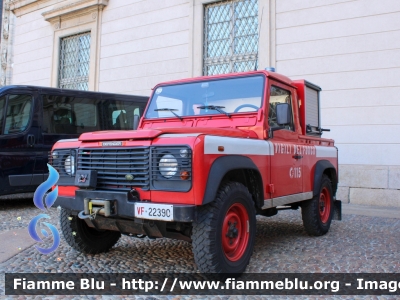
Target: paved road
{"type": "Point", "coordinates": [357, 244]}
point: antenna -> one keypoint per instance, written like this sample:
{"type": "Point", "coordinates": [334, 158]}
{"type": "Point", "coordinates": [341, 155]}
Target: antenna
{"type": "Point", "coordinates": [258, 39]}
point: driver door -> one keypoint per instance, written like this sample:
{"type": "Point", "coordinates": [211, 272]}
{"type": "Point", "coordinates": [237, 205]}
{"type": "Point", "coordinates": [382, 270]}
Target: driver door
{"type": "Point", "coordinates": [286, 169]}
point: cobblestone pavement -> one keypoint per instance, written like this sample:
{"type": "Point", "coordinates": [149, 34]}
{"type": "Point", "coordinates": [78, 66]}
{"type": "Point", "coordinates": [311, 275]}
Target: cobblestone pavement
{"type": "Point", "coordinates": [356, 244]}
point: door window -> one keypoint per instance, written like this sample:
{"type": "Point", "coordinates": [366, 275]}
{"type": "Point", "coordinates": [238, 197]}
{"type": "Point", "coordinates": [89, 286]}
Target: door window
{"type": "Point", "coordinates": [279, 95]}
{"type": "Point", "coordinates": [18, 113]}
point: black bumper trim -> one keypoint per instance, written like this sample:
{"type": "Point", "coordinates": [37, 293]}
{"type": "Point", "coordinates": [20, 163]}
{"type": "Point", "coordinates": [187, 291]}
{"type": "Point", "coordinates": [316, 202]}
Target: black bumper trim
{"type": "Point", "coordinates": [125, 204]}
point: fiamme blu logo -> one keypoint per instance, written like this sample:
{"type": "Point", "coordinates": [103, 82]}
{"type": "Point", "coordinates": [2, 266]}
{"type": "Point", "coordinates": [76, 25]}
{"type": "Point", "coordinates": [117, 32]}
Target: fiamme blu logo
{"type": "Point", "coordinates": [44, 203]}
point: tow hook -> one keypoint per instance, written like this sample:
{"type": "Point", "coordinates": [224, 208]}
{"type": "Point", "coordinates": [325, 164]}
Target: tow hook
{"type": "Point", "coordinates": [92, 207]}
{"type": "Point", "coordinates": [82, 216]}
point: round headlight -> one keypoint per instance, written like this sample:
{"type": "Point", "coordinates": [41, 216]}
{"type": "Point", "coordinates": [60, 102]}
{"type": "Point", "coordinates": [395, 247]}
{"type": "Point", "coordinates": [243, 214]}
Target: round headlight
{"type": "Point", "coordinates": [69, 165]}
{"type": "Point", "coordinates": [55, 154]}
{"type": "Point", "coordinates": [168, 165]}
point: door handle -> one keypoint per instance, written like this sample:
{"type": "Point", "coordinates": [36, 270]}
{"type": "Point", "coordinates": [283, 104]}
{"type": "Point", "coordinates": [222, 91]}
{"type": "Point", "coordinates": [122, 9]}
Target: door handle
{"type": "Point", "coordinates": [297, 156]}
{"type": "Point", "coordinates": [31, 140]}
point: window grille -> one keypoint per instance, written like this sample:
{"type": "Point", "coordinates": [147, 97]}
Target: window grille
{"type": "Point", "coordinates": [74, 62]}
{"type": "Point", "coordinates": [230, 37]}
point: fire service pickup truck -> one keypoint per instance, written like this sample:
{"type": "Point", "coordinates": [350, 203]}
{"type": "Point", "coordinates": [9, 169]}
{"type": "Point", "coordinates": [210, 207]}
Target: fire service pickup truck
{"type": "Point", "coordinates": [208, 155]}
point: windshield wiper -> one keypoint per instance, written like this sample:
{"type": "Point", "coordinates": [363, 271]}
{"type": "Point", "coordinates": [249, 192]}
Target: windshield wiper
{"type": "Point", "coordinates": [214, 107]}
{"type": "Point", "coordinates": [170, 110]}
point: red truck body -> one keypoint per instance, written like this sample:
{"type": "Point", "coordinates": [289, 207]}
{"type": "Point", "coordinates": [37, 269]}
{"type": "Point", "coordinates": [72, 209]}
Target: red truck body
{"type": "Point", "coordinates": [191, 155]}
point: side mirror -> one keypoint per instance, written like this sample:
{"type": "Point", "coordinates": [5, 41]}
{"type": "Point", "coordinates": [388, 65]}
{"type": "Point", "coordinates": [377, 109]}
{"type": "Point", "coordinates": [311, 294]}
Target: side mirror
{"type": "Point", "coordinates": [136, 119]}
{"type": "Point", "coordinates": [283, 115]}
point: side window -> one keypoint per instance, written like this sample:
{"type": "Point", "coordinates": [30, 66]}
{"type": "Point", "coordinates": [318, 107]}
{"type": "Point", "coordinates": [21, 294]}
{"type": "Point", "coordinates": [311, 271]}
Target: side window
{"type": "Point", "coordinates": [279, 95]}
{"type": "Point", "coordinates": [68, 115]}
{"type": "Point", "coordinates": [58, 116]}
{"type": "Point", "coordinates": [85, 112]}
{"type": "Point", "coordinates": [119, 119]}
{"type": "Point", "coordinates": [119, 114]}
{"type": "Point", "coordinates": [18, 113]}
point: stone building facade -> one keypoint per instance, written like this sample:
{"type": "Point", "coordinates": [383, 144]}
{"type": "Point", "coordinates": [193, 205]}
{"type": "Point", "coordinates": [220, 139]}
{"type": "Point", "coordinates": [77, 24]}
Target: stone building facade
{"type": "Point", "coordinates": [351, 48]}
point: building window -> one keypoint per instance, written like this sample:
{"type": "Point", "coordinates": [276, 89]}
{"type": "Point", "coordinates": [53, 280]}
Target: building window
{"type": "Point", "coordinates": [230, 37]}
{"type": "Point", "coordinates": [74, 62]}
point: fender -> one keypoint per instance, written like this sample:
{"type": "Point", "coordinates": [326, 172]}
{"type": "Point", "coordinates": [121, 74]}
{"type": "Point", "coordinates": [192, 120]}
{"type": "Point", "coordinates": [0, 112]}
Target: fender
{"type": "Point", "coordinates": [320, 167]}
{"type": "Point", "coordinates": [221, 166]}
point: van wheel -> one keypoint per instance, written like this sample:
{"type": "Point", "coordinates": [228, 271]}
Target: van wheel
{"type": "Point", "coordinates": [317, 213]}
{"type": "Point", "coordinates": [83, 238]}
{"type": "Point", "coordinates": [224, 233]}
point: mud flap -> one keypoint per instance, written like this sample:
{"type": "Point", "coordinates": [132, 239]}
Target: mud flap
{"type": "Point", "coordinates": [337, 210]}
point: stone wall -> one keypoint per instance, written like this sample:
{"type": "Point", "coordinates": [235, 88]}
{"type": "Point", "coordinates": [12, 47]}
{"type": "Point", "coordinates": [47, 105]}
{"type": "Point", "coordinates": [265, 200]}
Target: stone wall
{"type": "Point", "coordinates": [352, 50]}
{"type": "Point", "coordinates": [143, 43]}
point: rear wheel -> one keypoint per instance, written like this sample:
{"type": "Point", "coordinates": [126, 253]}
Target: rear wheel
{"type": "Point", "coordinates": [83, 238]}
{"type": "Point", "coordinates": [224, 233]}
{"type": "Point", "coordinates": [317, 213]}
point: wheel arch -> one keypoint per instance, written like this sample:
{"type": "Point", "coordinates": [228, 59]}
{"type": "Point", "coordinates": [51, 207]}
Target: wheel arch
{"type": "Point", "coordinates": [325, 167]}
{"type": "Point", "coordinates": [234, 168]}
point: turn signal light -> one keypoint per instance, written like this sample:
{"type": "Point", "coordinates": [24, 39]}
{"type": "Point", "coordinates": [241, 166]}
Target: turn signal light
{"type": "Point", "coordinates": [185, 175]}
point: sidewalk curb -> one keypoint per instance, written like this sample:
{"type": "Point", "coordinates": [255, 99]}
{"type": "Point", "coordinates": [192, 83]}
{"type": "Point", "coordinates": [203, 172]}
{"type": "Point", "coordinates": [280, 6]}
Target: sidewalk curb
{"type": "Point", "coordinates": [371, 211]}
{"type": "Point", "coordinates": [13, 242]}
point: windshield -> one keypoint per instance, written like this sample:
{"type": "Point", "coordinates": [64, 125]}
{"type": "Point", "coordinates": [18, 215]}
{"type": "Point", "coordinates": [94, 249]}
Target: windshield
{"type": "Point", "coordinates": [223, 96]}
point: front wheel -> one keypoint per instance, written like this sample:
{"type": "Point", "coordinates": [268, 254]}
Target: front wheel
{"type": "Point", "coordinates": [83, 238]}
{"type": "Point", "coordinates": [317, 213]}
{"type": "Point", "coordinates": [224, 233]}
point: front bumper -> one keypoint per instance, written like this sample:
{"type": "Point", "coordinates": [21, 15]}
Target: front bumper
{"type": "Point", "coordinates": [123, 202]}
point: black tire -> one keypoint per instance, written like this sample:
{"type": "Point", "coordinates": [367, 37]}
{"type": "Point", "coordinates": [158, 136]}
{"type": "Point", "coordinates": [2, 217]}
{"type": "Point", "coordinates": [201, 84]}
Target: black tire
{"type": "Point", "coordinates": [83, 238]}
{"type": "Point", "coordinates": [317, 213]}
{"type": "Point", "coordinates": [213, 253]}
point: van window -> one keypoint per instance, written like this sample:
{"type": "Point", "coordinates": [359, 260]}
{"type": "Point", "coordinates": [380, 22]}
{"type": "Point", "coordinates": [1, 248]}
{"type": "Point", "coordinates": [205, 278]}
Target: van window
{"type": "Point", "coordinates": [74, 115]}
{"type": "Point", "coordinates": [116, 114]}
{"type": "Point", "coordinates": [121, 114]}
{"type": "Point", "coordinates": [85, 112]}
{"type": "Point", "coordinates": [69, 115]}
{"type": "Point", "coordinates": [18, 113]}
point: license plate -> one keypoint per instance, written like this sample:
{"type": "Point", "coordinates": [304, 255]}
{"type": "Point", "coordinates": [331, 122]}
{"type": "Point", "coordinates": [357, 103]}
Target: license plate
{"type": "Point", "coordinates": [151, 211]}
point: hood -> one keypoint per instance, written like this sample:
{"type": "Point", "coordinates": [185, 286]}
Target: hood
{"type": "Point", "coordinates": [112, 135]}
{"type": "Point", "coordinates": [142, 134]}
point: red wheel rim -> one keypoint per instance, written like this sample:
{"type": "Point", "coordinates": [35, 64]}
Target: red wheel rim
{"type": "Point", "coordinates": [324, 205]}
{"type": "Point", "coordinates": [235, 232]}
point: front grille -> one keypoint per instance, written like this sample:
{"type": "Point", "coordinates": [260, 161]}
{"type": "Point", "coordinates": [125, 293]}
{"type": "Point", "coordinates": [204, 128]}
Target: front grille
{"type": "Point", "coordinates": [112, 166]}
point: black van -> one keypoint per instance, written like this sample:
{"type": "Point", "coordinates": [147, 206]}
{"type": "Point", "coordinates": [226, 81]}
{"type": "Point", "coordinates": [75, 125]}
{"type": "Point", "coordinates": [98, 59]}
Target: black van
{"type": "Point", "coordinates": [33, 118]}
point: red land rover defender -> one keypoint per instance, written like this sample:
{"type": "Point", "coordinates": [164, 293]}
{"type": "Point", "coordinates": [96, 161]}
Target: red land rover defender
{"type": "Point", "coordinates": [209, 154]}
